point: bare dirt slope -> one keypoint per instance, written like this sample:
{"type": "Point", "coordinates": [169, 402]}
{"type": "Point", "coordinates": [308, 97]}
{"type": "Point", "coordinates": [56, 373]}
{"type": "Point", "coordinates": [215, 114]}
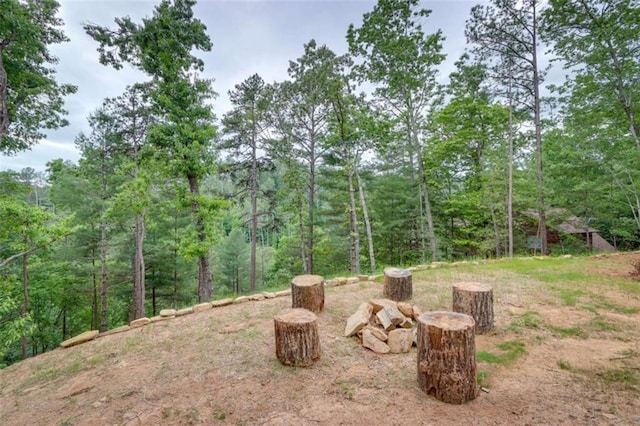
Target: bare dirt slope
{"type": "Point", "coordinates": [580, 362]}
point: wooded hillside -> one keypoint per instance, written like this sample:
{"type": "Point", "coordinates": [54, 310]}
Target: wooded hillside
{"type": "Point", "coordinates": [353, 163]}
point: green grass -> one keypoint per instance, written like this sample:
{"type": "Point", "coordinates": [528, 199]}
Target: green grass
{"type": "Point", "coordinates": [569, 332]}
{"type": "Point", "coordinates": [528, 319]}
{"type": "Point", "coordinates": [629, 353]}
{"type": "Point", "coordinates": [564, 365]}
{"type": "Point", "coordinates": [600, 324]}
{"type": "Point", "coordinates": [509, 352]}
{"type": "Point", "coordinates": [628, 378]}
{"type": "Point", "coordinates": [599, 301]}
{"type": "Point", "coordinates": [481, 378]}
{"type": "Point", "coordinates": [45, 372]}
{"type": "Point", "coordinates": [569, 296]}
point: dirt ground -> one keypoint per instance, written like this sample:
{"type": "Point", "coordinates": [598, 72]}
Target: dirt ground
{"type": "Point", "coordinates": [581, 363]}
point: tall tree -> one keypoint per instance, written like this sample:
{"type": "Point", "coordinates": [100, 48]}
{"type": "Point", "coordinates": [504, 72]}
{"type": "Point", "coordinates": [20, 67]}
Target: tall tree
{"type": "Point", "coordinates": [301, 117]}
{"type": "Point", "coordinates": [353, 126]}
{"type": "Point", "coordinates": [401, 60]}
{"type": "Point", "coordinates": [233, 261]}
{"type": "Point", "coordinates": [247, 129]}
{"type": "Point", "coordinates": [598, 41]}
{"type": "Point", "coordinates": [30, 97]}
{"type": "Point", "coordinates": [101, 154]}
{"type": "Point", "coordinates": [26, 229]}
{"type": "Point", "coordinates": [132, 118]}
{"type": "Point", "coordinates": [506, 33]}
{"type": "Point", "coordinates": [162, 46]}
{"type": "Point", "coordinates": [347, 152]}
{"type": "Point", "coordinates": [467, 131]}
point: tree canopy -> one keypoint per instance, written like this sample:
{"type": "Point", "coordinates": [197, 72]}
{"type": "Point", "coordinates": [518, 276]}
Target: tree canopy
{"type": "Point", "coordinates": [30, 97]}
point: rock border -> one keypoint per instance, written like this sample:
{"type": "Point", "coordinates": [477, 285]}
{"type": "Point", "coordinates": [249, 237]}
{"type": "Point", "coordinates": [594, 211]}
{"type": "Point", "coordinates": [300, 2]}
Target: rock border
{"type": "Point", "coordinates": [167, 314]}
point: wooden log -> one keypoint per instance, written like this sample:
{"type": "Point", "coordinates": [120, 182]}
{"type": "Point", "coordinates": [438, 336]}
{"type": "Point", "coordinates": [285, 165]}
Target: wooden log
{"type": "Point", "coordinates": [307, 291]}
{"type": "Point", "coordinates": [475, 300]}
{"type": "Point", "coordinates": [398, 284]}
{"type": "Point", "coordinates": [297, 339]}
{"type": "Point", "coordinates": [447, 356]}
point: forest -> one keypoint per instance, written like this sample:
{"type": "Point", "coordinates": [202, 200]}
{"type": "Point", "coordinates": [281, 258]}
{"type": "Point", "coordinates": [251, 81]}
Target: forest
{"type": "Point", "coordinates": [355, 162]}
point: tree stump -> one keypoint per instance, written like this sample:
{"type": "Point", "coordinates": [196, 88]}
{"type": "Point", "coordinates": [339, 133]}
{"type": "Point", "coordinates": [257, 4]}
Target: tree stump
{"type": "Point", "coordinates": [447, 356]}
{"type": "Point", "coordinates": [297, 339]}
{"type": "Point", "coordinates": [475, 300]}
{"type": "Point", "coordinates": [398, 285]}
{"type": "Point", "coordinates": [307, 291]}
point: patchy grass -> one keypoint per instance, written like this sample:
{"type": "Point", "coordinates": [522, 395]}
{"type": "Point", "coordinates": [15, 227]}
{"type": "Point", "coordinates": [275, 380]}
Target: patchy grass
{"type": "Point", "coordinates": [600, 324]}
{"type": "Point", "coordinates": [510, 351]}
{"type": "Point", "coordinates": [574, 331]}
{"type": "Point", "coordinates": [626, 378]}
{"type": "Point", "coordinates": [219, 365]}
{"type": "Point", "coordinates": [626, 354]}
{"type": "Point", "coordinates": [527, 320]}
{"type": "Point", "coordinates": [599, 301]}
{"type": "Point", "coordinates": [569, 296]}
{"type": "Point", "coordinates": [344, 389]}
{"type": "Point", "coordinates": [481, 378]}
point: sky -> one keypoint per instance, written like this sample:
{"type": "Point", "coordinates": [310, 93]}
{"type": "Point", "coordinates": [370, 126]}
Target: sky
{"type": "Point", "coordinates": [249, 36]}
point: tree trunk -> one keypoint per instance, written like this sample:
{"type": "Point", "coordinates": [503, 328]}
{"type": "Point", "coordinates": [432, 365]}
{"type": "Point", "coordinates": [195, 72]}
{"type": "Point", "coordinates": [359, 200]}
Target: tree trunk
{"type": "Point", "coordinates": [398, 284]}
{"type": "Point", "coordinates": [496, 232]}
{"type": "Point", "coordinates": [153, 301]}
{"type": "Point", "coordinates": [432, 234]}
{"type": "Point", "coordinates": [64, 324]}
{"type": "Point", "coordinates": [175, 259]}
{"type": "Point", "coordinates": [4, 109]}
{"type": "Point", "coordinates": [254, 213]}
{"type": "Point", "coordinates": [538, 133]}
{"type": "Point", "coordinates": [447, 356]}
{"type": "Point", "coordinates": [475, 300]}
{"type": "Point", "coordinates": [103, 275]}
{"type": "Point", "coordinates": [307, 291]}
{"type": "Point", "coordinates": [205, 282]}
{"type": "Point", "coordinates": [296, 337]}
{"type": "Point", "coordinates": [94, 301]}
{"type": "Point", "coordinates": [103, 244]}
{"type": "Point", "coordinates": [510, 173]}
{"type": "Point", "coordinates": [423, 233]}
{"type": "Point", "coordinates": [354, 233]}
{"type": "Point", "coordinates": [25, 295]}
{"type": "Point", "coordinates": [367, 223]}
{"type": "Point", "coordinates": [139, 270]}
{"type": "Point", "coordinates": [310, 225]}
{"type": "Point", "coordinates": [634, 205]}
{"type": "Point", "coordinates": [423, 190]}
{"type": "Point", "coordinates": [303, 245]}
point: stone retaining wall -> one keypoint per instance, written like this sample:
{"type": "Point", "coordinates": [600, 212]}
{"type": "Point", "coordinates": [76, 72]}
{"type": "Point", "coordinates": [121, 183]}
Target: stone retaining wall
{"type": "Point", "coordinates": [167, 314]}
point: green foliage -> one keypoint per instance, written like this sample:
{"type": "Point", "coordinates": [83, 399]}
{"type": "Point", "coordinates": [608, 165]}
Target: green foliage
{"type": "Point", "coordinates": [30, 98]}
{"type": "Point", "coordinates": [400, 60]}
{"type": "Point", "coordinates": [233, 258]}
{"type": "Point", "coordinates": [12, 326]}
{"type": "Point", "coordinates": [163, 46]}
{"type": "Point", "coordinates": [600, 136]}
{"type": "Point", "coordinates": [434, 161]}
